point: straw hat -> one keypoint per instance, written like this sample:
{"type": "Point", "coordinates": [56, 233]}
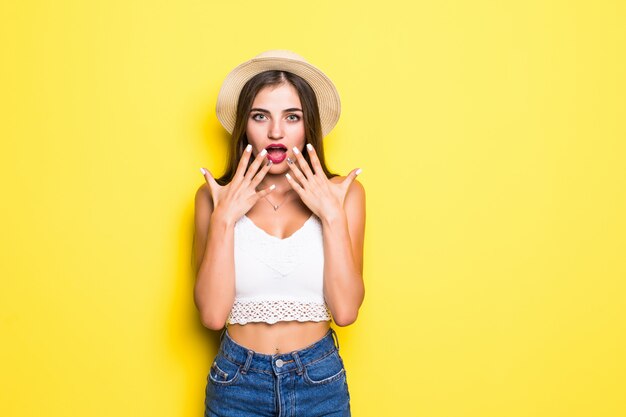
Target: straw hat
{"type": "Point", "coordinates": [325, 91]}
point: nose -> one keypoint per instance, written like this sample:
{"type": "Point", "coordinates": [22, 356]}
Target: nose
{"type": "Point", "coordinates": [275, 130]}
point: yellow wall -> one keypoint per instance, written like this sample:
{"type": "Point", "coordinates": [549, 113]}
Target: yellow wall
{"type": "Point", "coordinates": [493, 145]}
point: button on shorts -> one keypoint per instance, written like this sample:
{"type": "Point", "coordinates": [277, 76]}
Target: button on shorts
{"type": "Point", "coordinates": [309, 382]}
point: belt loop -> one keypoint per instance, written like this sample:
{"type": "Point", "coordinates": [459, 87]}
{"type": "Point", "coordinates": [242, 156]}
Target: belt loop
{"type": "Point", "coordinates": [296, 358]}
{"type": "Point", "coordinates": [222, 334]}
{"type": "Point", "coordinates": [246, 366]}
{"type": "Point", "coordinates": [335, 337]}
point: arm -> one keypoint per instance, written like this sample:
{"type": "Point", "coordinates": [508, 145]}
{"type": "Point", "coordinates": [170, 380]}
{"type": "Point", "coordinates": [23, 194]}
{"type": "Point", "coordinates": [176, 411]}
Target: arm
{"type": "Point", "coordinates": [343, 256]}
{"type": "Point", "coordinates": [214, 291]}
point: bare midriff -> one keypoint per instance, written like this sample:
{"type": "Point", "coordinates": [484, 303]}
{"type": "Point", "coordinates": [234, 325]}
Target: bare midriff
{"type": "Point", "coordinates": [278, 338]}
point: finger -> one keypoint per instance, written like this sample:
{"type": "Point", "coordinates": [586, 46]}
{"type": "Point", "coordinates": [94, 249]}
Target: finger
{"type": "Point", "coordinates": [254, 167]}
{"type": "Point", "coordinates": [350, 178]}
{"type": "Point", "coordinates": [304, 166]}
{"type": "Point", "coordinates": [261, 174]}
{"type": "Point", "coordinates": [315, 162]}
{"type": "Point", "coordinates": [243, 163]}
{"type": "Point", "coordinates": [297, 173]}
{"type": "Point", "coordinates": [265, 191]}
{"type": "Point", "coordinates": [294, 184]}
{"type": "Point", "coordinates": [208, 177]}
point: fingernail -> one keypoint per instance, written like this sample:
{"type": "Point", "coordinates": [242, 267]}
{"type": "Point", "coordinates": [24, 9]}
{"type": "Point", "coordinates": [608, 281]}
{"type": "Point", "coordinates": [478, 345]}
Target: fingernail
{"type": "Point", "coordinates": [272, 186]}
{"type": "Point", "coordinates": [309, 146]}
{"type": "Point", "coordinates": [289, 161]}
{"type": "Point", "coordinates": [288, 176]}
{"type": "Point", "coordinates": [263, 152]}
{"type": "Point", "coordinates": [269, 163]}
{"type": "Point", "coordinates": [248, 148]}
{"type": "Point", "coordinates": [358, 171]}
{"type": "Point", "coordinates": [295, 150]}
{"type": "Point", "coordinates": [203, 171]}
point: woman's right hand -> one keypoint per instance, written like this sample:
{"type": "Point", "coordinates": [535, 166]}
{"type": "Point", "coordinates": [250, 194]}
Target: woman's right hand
{"type": "Point", "coordinates": [236, 198]}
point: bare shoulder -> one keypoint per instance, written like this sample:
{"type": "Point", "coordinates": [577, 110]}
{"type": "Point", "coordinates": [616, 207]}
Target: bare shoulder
{"type": "Point", "coordinates": [203, 205]}
{"type": "Point", "coordinates": [354, 204]}
{"type": "Point", "coordinates": [203, 195]}
{"type": "Point", "coordinates": [203, 190]}
{"type": "Point", "coordinates": [356, 192]}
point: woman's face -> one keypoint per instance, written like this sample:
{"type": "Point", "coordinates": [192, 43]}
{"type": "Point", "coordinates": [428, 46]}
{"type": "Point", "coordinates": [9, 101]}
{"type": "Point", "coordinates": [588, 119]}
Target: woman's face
{"type": "Point", "coordinates": [276, 123]}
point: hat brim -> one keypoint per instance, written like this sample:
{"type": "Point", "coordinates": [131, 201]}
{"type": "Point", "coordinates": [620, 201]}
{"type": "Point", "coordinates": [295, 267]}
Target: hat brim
{"type": "Point", "coordinates": [324, 89]}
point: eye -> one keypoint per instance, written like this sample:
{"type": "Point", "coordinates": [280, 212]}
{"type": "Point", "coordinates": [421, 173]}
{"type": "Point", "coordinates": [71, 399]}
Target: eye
{"type": "Point", "coordinates": [293, 118]}
{"type": "Point", "coordinates": [258, 116]}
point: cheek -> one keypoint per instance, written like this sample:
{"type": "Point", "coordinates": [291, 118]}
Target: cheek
{"type": "Point", "coordinates": [252, 131]}
{"type": "Point", "coordinates": [297, 131]}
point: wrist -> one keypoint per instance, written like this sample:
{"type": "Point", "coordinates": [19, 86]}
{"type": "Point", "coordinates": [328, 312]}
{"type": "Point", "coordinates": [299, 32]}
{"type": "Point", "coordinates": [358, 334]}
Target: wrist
{"type": "Point", "coordinates": [332, 215]}
{"type": "Point", "coordinates": [221, 218]}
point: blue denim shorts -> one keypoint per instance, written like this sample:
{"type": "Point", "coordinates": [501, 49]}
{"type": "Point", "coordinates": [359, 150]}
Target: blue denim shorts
{"type": "Point", "coordinates": [305, 383]}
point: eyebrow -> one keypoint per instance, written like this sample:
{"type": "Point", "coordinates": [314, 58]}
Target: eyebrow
{"type": "Point", "coordinates": [284, 111]}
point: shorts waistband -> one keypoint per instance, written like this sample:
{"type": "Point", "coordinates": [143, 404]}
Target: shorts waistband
{"type": "Point", "coordinates": [250, 360]}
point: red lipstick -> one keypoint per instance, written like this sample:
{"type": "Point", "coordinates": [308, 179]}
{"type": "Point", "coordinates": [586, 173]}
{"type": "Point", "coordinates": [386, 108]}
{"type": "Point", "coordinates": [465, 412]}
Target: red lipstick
{"type": "Point", "coordinates": [276, 152]}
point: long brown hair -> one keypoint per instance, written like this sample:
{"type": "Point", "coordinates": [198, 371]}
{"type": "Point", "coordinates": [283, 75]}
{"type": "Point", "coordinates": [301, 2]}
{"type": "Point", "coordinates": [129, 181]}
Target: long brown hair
{"type": "Point", "coordinates": [311, 118]}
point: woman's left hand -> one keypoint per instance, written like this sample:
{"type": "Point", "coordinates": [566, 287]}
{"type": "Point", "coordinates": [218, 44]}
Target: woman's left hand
{"type": "Point", "coordinates": [322, 196]}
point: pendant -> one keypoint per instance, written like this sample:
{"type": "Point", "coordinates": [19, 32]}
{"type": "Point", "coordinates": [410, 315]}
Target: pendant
{"type": "Point", "coordinates": [275, 208]}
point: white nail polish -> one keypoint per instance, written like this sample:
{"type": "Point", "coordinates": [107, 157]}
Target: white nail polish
{"type": "Point", "coordinates": [263, 152]}
{"type": "Point", "coordinates": [358, 171]}
{"type": "Point", "coordinates": [309, 146]}
{"type": "Point", "coordinates": [203, 171]}
{"type": "Point", "coordinates": [288, 176]}
{"type": "Point", "coordinates": [272, 186]}
{"type": "Point", "coordinates": [296, 150]}
{"type": "Point", "coordinates": [248, 148]}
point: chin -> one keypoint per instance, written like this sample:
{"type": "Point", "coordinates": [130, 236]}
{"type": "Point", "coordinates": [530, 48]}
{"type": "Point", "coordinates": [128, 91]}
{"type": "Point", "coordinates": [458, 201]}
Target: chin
{"type": "Point", "coordinates": [279, 168]}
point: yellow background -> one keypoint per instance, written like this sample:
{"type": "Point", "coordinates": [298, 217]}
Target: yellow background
{"type": "Point", "coordinates": [492, 140]}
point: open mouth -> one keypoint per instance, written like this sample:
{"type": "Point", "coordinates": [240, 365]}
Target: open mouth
{"type": "Point", "coordinates": [276, 153]}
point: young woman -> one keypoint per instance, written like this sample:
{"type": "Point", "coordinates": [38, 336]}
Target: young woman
{"type": "Point", "coordinates": [278, 246]}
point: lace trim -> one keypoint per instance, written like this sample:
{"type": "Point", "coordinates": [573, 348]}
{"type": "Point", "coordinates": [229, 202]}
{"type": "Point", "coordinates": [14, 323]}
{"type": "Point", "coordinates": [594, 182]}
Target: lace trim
{"type": "Point", "coordinates": [279, 310]}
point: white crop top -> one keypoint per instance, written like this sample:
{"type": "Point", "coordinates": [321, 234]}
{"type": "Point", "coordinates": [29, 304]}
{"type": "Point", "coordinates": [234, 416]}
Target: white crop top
{"type": "Point", "coordinates": [278, 279]}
